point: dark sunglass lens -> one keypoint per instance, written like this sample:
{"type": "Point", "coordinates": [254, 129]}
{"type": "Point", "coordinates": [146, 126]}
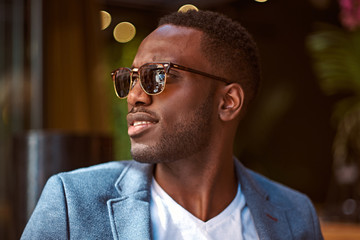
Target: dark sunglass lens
{"type": "Point", "coordinates": [122, 82]}
{"type": "Point", "coordinates": [152, 78]}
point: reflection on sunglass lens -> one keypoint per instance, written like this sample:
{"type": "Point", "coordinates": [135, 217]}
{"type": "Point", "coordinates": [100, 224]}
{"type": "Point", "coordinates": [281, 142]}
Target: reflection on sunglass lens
{"type": "Point", "coordinates": [152, 78]}
{"type": "Point", "coordinates": [122, 82]}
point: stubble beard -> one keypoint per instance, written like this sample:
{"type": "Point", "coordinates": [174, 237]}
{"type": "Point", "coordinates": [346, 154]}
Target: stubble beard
{"type": "Point", "coordinates": [186, 137]}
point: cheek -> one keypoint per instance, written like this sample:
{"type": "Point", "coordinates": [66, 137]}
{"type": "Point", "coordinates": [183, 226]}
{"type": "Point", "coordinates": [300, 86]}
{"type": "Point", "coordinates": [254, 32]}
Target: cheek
{"type": "Point", "coordinates": [173, 115]}
{"type": "Point", "coordinates": [178, 102]}
{"type": "Point", "coordinates": [176, 111]}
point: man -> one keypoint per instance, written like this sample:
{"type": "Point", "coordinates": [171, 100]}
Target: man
{"type": "Point", "coordinates": [191, 82]}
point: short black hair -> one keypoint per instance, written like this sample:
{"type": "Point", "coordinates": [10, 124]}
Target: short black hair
{"type": "Point", "coordinates": [226, 43]}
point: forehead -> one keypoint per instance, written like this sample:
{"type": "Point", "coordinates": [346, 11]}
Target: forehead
{"type": "Point", "coordinates": [169, 43]}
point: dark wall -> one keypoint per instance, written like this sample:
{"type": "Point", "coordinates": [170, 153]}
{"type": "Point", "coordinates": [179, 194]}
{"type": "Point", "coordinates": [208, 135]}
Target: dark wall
{"type": "Point", "coordinates": [287, 135]}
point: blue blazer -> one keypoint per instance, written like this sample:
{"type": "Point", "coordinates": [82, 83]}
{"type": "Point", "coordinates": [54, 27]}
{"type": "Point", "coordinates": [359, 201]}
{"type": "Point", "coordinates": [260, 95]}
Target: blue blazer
{"type": "Point", "coordinates": [111, 201]}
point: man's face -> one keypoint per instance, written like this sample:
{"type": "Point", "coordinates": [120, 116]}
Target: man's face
{"type": "Point", "coordinates": [176, 123]}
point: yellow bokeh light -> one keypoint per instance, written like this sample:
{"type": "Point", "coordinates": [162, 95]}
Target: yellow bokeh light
{"type": "Point", "coordinates": [187, 7]}
{"type": "Point", "coordinates": [260, 1]}
{"type": "Point", "coordinates": [105, 19]}
{"type": "Point", "coordinates": [124, 32]}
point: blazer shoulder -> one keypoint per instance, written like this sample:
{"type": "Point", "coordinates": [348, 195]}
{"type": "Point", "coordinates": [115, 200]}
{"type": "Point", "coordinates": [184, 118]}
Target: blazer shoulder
{"type": "Point", "coordinates": [105, 170]}
{"type": "Point", "coordinates": [278, 193]}
{"type": "Point", "coordinates": [298, 207]}
{"type": "Point", "coordinates": [95, 180]}
{"type": "Point", "coordinates": [76, 201]}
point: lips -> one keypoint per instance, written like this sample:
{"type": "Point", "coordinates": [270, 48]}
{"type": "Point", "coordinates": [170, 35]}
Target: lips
{"type": "Point", "coordinates": [139, 123]}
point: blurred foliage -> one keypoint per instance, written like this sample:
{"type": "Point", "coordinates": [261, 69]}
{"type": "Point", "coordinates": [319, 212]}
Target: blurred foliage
{"type": "Point", "coordinates": [336, 60]}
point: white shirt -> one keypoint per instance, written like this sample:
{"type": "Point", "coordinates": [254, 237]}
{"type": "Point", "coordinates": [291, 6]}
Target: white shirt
{"type": "Point", "coordinates": [169, 220]}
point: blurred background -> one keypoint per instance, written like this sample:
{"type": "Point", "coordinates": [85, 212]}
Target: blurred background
{"type": "Point", "coordinates": [58, 110]}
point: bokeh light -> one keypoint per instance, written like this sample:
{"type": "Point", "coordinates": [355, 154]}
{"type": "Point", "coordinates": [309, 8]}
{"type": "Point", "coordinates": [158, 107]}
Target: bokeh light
{"type": "Point", "coordinates": [260, 1]}
{"type": "Point", "coordinates": [105, 19]}
{"type": "Point", "coordinates": [124, 32]}
{"type": "Point", "coordinates": [187, 7]}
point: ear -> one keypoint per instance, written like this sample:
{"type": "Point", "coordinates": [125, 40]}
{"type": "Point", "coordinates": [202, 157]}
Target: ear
{"type": "Point", "coordinates": [231, 102]}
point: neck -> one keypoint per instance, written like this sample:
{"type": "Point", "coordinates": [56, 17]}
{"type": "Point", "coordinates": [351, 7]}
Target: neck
{"type": "Point", "coordinates": [204, 184]}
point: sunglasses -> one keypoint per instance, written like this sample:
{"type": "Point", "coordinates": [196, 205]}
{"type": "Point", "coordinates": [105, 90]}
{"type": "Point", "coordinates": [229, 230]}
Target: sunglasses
{"type": "Point", "coordinates": [152, 77]}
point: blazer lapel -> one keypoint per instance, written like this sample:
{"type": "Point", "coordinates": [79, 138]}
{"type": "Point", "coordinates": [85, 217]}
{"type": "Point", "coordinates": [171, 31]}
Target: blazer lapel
{"type": "Point", "coordinates": [270, 220]}
{"type": "Point", "coordinates": [130, 213]}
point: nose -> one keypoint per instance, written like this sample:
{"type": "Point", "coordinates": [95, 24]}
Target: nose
{"type": "Point", "coordinates": [137, 96]}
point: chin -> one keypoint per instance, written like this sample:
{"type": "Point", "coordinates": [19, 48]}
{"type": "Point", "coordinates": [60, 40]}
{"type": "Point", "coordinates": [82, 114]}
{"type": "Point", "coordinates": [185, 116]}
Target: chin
{"type": "Point", "coordinates": [143, 154]}
{"type": "Point", "coordinates": [148, 154]}
{"type": "Point", "coordinates": [144, 159]}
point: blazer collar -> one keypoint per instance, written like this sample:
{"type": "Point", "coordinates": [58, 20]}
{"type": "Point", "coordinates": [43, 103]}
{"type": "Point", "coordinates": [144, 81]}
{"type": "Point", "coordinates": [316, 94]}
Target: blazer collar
{"type": "Point", "coordinates": [270, 220]}
{"type": "Point", "coordinates": [130, 213]}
